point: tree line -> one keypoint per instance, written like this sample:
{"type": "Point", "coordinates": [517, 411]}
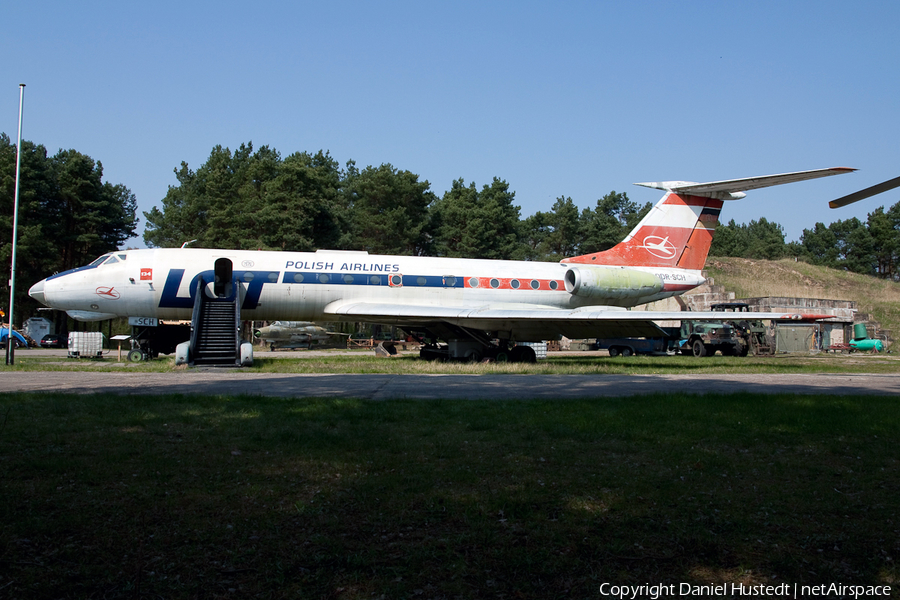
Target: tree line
{"type": "Point", "coordinates": [870, 247]}
{"type": "Point", "coordinates": [256, 199]}
{"type": "Point", "coordinates": [68, 215]}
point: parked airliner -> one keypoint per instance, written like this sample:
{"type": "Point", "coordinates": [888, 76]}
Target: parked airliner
{"type": "Point", "coordinates": [476, 308]}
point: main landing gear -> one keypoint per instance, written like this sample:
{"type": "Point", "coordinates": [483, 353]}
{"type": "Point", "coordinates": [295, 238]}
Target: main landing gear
{"type": "Point", "coordinates": [493, 353]}
{"type": "Point", "coordinates": [468, 345]}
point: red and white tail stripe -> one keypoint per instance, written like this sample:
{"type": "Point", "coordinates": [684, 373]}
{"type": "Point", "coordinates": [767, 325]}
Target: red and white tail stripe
{"type": "Point", "coordinates": [677, 232]}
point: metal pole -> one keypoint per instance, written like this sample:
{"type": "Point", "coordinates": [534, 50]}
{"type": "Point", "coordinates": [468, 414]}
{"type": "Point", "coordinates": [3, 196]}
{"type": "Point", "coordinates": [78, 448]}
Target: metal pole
{"type": "Point", "coordinates": [10, 345]}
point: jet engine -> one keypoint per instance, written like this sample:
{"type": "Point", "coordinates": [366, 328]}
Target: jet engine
{"type": "Point", "coordinates": [611, 283]}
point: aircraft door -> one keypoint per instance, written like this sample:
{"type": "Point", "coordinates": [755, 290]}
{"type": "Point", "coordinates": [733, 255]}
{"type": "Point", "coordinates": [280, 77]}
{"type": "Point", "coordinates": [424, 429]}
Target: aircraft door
{"type": "Point", "coordinates": [224, 277]}
{"type": "Point", "coordinates": [128, 285]}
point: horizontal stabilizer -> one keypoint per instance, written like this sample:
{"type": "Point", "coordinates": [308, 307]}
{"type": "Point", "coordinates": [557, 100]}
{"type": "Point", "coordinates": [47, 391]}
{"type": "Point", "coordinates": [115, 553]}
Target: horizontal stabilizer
{"type": "Point", "coordinates": [732, 189]}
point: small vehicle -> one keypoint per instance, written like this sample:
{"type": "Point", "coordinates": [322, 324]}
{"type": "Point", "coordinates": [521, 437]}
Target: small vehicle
{"type": "Point", "coordinates": [704, 338]}
{"type": "Point", "coordinates": [20, 341]}
{"type": "Point", "coordinates": [52, 340]}
{"type": "Point", "coordinates": [658, 346]}
{"type": "Point", "coordinates": [732, 336]}
{"type": "Point", "coordinates": [754, 334]}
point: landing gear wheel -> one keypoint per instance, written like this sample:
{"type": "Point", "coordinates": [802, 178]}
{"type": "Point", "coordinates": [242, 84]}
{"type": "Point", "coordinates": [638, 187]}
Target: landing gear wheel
{"type": "Point", "coordinates": [524, 354]}
{"type": "Point", "coordinates": [135, 355]}
{"type": "Point", "coordinates": [699, 349]}
{"type": "Point", "coordinates": [473, 356]}
{"type": "Point", "coordinates": [432, 354]}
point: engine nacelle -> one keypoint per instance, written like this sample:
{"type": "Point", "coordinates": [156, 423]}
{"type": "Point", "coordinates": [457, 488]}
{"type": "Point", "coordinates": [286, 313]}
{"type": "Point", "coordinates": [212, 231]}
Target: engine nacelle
{"type": "Point", "coordinates": [611, 283]}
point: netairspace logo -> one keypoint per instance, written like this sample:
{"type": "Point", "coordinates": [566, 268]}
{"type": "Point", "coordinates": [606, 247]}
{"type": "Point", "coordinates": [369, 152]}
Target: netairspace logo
{"type": "Point", "coordinates": [738, 590]}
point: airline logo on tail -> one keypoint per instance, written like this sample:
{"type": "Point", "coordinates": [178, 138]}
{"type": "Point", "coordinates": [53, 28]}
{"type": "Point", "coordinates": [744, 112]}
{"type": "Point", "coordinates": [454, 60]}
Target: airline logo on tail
{"type": "Point", "coordinates": [659, 247]}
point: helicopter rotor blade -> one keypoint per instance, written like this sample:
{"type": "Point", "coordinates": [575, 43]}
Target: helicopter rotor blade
{"type": "Point", "coordinates": [863, 194]}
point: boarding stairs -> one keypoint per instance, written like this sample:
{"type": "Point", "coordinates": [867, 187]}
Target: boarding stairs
{"type": "Point", "coordinates": [215, 327]}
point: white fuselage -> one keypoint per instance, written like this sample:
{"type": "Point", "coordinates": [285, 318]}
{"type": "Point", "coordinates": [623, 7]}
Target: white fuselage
{"type": "Point", "coordinates": [306, 286]}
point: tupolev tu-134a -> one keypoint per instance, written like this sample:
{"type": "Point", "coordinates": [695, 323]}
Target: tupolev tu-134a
{"type": "Point", "coordinates": [459, 308]}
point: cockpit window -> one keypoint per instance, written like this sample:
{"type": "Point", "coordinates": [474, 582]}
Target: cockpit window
{"type": "Point", "coordinates": [108, 259]}
{"type": "Point", "coordinates": [99, 261]}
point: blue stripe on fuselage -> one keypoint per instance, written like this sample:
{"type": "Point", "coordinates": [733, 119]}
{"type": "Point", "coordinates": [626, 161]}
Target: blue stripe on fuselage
{"type": "Point", "coordinates": [70, 271]}
{"type": "Point", "coordinates": [255, 280]}
{"type": "Point", "coordinates": [310, 277]}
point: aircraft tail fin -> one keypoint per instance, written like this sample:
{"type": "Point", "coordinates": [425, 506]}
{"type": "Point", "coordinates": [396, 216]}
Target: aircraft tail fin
{"type": "Point", "coordinates": [678, 231]}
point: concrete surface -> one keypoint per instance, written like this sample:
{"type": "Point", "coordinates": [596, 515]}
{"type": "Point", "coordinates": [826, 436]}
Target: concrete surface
{"type": "Point", "coordinates": [425, 387]}
{"type": "Point", "coordinates": [432, 387]}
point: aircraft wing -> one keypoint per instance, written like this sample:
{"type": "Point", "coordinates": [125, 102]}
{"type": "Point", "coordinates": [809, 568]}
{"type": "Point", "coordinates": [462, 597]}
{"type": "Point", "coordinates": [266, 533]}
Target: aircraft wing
{"type": "Point", "coordinates": [534, 323]}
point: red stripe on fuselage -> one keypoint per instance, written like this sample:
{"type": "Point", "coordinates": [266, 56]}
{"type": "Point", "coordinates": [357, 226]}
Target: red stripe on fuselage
{"type": "Point", "coordinates": [506, 283]}
{"type": "Point", "coordinates": [678, 287]}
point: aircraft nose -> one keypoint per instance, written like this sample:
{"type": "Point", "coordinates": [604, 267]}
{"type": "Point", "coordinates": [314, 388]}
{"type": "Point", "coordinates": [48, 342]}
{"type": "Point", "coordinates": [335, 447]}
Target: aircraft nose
{"type": "Point", "coordinates": [37, 291]}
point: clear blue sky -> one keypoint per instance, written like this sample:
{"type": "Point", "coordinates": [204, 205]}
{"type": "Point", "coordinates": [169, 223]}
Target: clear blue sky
{"type": "Point", "coordinates": [557, 98]}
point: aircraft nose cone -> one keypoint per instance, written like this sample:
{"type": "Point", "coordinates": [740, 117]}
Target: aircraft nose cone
{"type": "Point", "coordinates": [37, 291]}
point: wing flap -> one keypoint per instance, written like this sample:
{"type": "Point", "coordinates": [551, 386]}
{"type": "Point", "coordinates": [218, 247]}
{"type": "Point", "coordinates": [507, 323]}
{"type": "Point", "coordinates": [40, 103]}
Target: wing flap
{"type": "Point", "coordinates": [524, 323]}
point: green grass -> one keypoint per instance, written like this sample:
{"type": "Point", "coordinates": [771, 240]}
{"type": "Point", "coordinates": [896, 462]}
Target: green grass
{"type": "Point", "coordinates": [410, 363]}
{"type": "Point", "coordinates": [573, 364]}
{"type": "Point", "coordinates": [239, 497]}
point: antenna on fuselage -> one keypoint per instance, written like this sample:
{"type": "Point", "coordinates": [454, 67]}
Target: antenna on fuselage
{"type": "Point", "coordinates": [186, 243]}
